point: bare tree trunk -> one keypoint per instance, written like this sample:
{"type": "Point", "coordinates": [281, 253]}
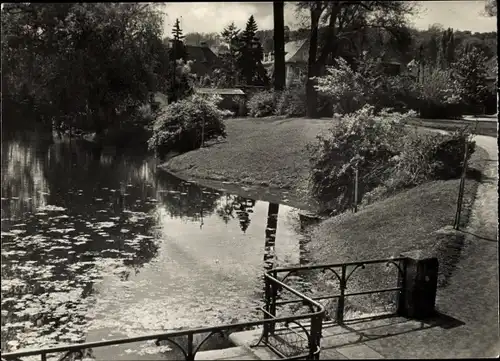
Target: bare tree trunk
{"type": "Point", "coordinates": [279, 45]}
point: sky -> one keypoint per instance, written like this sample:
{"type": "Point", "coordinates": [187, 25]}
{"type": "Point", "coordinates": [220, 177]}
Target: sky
{"type": "Point", "coordinates": [205, 17]}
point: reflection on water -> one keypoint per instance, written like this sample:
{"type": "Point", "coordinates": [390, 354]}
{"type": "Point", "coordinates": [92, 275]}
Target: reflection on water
{"type": "Point", "coordinates": [97, 244]}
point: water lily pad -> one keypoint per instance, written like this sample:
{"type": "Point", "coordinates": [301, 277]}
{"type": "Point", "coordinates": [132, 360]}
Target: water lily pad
{"type": "Point", "coordinates": [51, 208]}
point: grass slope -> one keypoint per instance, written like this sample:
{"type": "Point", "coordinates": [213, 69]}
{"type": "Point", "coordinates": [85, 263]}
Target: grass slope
{"type": "Point", "coordinates": [267, 152]}
{"type": "Point", "coordinates": [412, 220]}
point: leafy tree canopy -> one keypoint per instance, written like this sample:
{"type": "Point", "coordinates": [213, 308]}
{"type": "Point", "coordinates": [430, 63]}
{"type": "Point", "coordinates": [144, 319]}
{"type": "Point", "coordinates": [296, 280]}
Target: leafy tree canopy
{"type": "Point", "coordinates": [82, 64]}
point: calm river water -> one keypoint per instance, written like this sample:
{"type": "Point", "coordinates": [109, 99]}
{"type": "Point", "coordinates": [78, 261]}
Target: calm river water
{"type": "Point", "coordinates": [99, 245]}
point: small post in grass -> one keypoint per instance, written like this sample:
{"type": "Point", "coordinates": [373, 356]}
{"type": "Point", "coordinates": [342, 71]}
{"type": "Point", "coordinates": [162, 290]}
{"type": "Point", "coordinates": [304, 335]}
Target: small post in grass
{"type": "Point", "coordinates": [202, 132]}
{"type": "Point", "coordinates": [356, 180]}
{"type": "Point", "coordinates": [461, 188]}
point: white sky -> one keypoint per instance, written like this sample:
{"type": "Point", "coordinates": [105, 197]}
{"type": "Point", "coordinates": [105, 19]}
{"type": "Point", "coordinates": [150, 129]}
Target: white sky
{"type": "Point", "coordinates": [214, 16]}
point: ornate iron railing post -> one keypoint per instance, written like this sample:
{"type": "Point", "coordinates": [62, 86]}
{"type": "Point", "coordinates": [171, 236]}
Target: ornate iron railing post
{"type": "Point", "coordinates": [267, 307]}
{"type": "Point", "coordinates": [402, 284]}
{"type": "Point", "coordinates": [315, 337]}
{"type": "Point", "coordinates": [272, 306]}
{"type": "Point", "coordinates": [190, 355]}
{"type": "Point", "coordinates": [341, 302]}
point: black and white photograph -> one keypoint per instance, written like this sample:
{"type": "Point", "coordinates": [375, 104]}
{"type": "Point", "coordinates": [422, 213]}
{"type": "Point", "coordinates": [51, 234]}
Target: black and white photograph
{"type": "Point", "coordinates": [266, 180]}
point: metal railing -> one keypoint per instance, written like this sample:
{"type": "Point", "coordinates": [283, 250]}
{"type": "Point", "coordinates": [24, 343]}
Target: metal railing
{"type": "Point", "coordinates": [310, 351]}
{"type": "Point", "coordinates": [341, 273]}
{"type": "Point", "coordinates": [291, 337]}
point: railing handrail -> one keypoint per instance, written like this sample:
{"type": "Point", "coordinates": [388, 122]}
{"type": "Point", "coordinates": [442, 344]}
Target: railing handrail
{"type": "Point", "coordinates": [87, 345]}
{"type": "Point", "coordinates": [329, 265]}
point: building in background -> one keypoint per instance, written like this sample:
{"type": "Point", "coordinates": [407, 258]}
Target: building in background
{"type": "Point", "coordinates": [204, 59]}
{"type": "Point", "coordinates": [296, 56]}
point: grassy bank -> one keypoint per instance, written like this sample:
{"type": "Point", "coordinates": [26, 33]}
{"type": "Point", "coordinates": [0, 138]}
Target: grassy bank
{"type": "Point", "coordinates": [266, 155]}
{"type": "Point", "coordinates": [267, 159]}
{"type": "Point", "coordinates": [415, 219]}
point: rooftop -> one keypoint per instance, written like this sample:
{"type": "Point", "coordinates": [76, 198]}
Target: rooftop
{"type": "Point", "coordinates": [219, 91]}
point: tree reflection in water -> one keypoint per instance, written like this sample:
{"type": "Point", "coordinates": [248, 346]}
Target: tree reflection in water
{"type": "Point", "coordinates": [185, 199]}
{"type": "Point", "coordinates": [231, 204]}
{"type": "Point", "coordinates": [270, 241]}
{"type": "Point", "coordinates": [69, 216]}
{"type": "Point", "coordinates": [75, 216]}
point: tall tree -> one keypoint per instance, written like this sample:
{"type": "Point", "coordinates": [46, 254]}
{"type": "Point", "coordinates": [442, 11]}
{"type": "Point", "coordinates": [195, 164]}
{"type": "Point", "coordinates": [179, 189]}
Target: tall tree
{"type": "Point", "coordinates": [446, 49]}
{"type": "Point", "coordinates": [82, 64]}
{"type": "Point", "coordinates": [177, 31]}
{"type": "Point", "coordinates": [449, 39]}
{"type": "Point", "coordinates": [471, 72]}
{"type": "Point", "coordinates": [178, 50]}
{"type": "Point", "coordinates": [250, 56]}
{"type": "Point", "coordinates": [279, 45]}
{"type": "Point", "coordinates": [230, 35]}
{"type": "Point", "coordinates": [342, 20]}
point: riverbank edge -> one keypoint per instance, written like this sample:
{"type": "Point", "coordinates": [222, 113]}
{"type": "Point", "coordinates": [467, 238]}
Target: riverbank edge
{"type": "Point", "coordinates": [444, 238]}
{"type": "Point", "coordinates": [247, 189]}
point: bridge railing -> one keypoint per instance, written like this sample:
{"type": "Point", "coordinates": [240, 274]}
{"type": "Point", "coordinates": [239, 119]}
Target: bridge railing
{"type": "Point", "coordinates": [293, 321]}
{"type": "Point", "coordinates": [341, 274]}
{"type": "Point", "coordinates": [310, 349]}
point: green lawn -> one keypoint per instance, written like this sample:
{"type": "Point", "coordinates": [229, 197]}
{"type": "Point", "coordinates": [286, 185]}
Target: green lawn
{"type": "Point", "coordinates": [266, 152]}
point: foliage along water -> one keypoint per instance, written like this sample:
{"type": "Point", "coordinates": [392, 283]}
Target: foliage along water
{"type": "Point", "coordinates": [99, 245]}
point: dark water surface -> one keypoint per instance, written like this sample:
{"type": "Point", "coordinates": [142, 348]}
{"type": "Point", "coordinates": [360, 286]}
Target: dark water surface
{"type": "Point", "coordinates": [99, 245]}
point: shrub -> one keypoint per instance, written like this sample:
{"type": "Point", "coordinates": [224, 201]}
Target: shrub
{"type": "Point", "coordinates": [180, 125]}
{"type": "Point", "coordinates": [439, 95]}
{"type": "Point", "coordinates": [423, 157]}
{"type": "Point", "coordinates": [291, 101]}
{"type": "Point", "coordinates": [389, 157]}
{"type": "Point", "coordinates": [261, 104]}
{"type": "Point", "coordinates": [360, 139]}
{"type": "Point", "coordinates": [182, 82]}
{"type": "Point", "coordinates": [346, 87]}
{"type": "Point", "coordinates": [471, 73]}
{"type": "Point", "coordinates": [448, 155]}
{"type": "Point", "coordinates": [399, 93]}
{"type": "Point", "coordinates": [351, 89]}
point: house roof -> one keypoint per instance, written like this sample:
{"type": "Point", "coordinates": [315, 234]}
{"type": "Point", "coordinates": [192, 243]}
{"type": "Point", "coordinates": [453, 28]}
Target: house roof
{"type": "Point", "coordinates": [292, 51]}
{"type": "Point", "coordinates": [204, 59]}
{"type": "Point", "coordinates": [219, 91]}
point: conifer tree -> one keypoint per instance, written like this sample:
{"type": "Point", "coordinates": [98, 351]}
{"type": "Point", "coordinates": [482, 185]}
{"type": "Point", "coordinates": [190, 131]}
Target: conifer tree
{"type": "Point", "coordinates": [178, 50]}
{"type": "Point", "coordinates": [446, 53]}
{"type": "Point", "coordinates": [230, 35]}
{"type": "Point", "coordinates": [249, 61]}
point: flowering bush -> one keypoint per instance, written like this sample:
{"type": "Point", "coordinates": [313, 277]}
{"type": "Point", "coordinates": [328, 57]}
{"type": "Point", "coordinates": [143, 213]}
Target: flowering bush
{"type": "Point", "coordinates": [346, 87]}
{"type": "Point", "coordinates": [351, 89]}
{"type": "Point", "coordinates": [388, 156]}
{"type": "Point", "coordinates": [471, 72]}
{"type": "Point", "coordinates": [181, 125]}
{"type": "Point", "coordinates": [439, 94]}
{"type": "Point", "coordinates": [423, 157]}
{"type": "Point", "coordinates": [261, 104]}
{"type": "Point", "coordinates": [363, 140]}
